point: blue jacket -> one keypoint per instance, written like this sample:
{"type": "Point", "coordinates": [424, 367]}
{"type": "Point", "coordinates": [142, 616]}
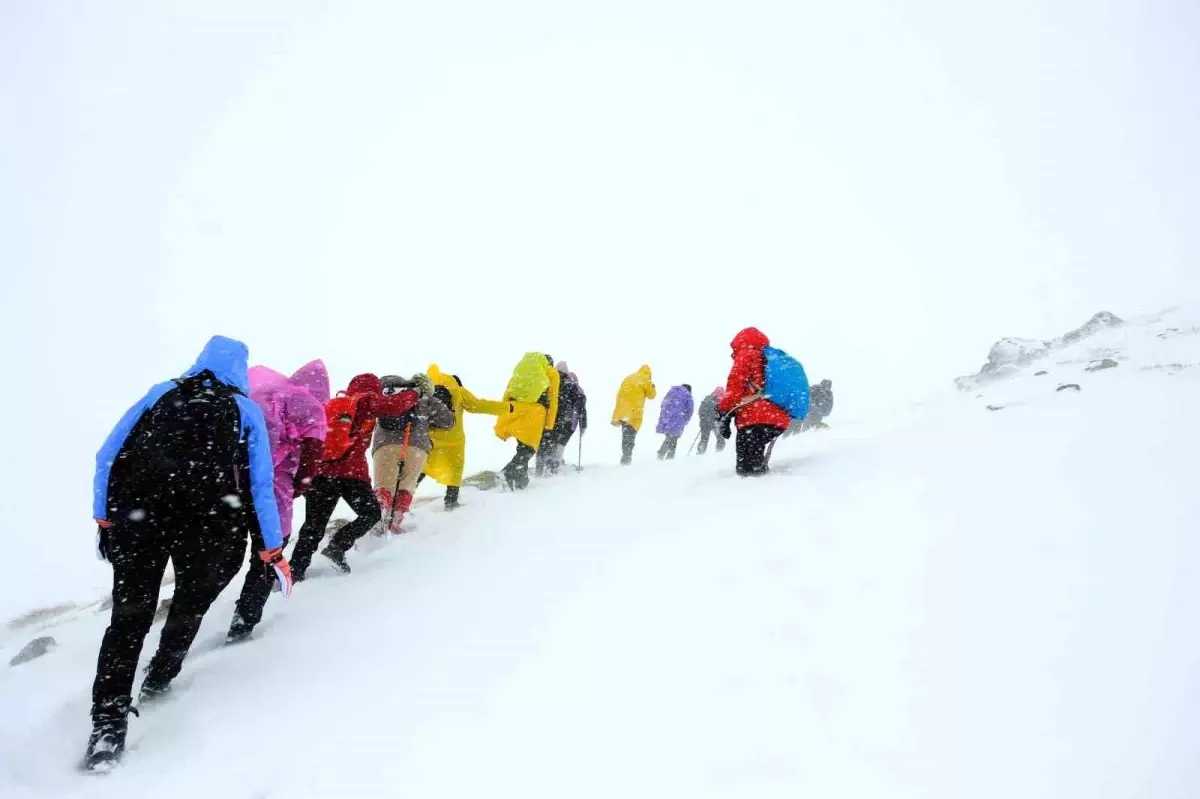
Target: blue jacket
{"type": "Point", "coordinates": [227, 359]}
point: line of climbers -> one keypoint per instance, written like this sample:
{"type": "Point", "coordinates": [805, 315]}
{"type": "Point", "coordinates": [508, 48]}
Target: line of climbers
{"type": "Point", "coordinates": [206, 462]}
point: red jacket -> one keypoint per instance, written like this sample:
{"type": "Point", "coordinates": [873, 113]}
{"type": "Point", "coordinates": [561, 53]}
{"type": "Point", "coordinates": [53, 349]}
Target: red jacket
{"type": "Point", "coordinates": [339, 461]}
{"type": "Point", "coordinates": [746, 378]}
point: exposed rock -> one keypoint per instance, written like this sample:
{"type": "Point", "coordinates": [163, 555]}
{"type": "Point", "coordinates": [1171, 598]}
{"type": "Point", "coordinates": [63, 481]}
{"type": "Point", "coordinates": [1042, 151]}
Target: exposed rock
{"type": "Point", "coordinates": [1069, 386]}
{"type": "Point", "coordinates": [1008, 356]}
{"type": "Point", "coordinates": [41, 615]}
{"type": "Point", "coordinates": [1098, 366]}
{"type": "Point", "coordinates": [163, 608]}
{"type": "Point", "coordinates": [1039, 374]}
{"type": "Point", "coordinates": [34, 650]}
{"type": "Point", "coordinates": [995, 407]}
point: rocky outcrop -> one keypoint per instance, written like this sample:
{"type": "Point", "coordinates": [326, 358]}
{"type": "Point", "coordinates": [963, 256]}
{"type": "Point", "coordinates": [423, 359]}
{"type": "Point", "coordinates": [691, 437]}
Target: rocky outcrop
{"type": "Point", "coordinates": [1010, 355]}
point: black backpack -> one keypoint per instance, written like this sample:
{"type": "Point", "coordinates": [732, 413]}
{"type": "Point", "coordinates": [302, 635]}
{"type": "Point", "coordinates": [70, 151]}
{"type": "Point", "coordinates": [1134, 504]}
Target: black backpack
{"type": "Point", "coordinates": [189, 444]}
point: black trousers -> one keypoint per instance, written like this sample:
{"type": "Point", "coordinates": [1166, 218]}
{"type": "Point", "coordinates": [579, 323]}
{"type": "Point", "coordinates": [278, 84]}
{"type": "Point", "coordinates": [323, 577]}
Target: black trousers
{"type": "Point", "coordinates": [628, 439]}
{"type": "Point", "coordinates": [205, 550]}
{"type": "Point", "coordinates": [667, 450]}
{"type": "Point", "coordinates": [546, 453]}
{"type": "Point", "coordinates": [705, 432]}
{"type": "Point", "coordinates": [517, 470]}
{"type": "Point", "coordinates": [754, 445]}
{"type": "Point", "coordinates": [320, 501]}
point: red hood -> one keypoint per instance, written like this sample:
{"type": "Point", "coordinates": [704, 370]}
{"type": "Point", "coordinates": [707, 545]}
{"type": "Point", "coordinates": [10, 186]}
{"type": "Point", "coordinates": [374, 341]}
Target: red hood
{"type": "Point", "coordinates": [365, 384]}
{"type": "Point", "coordinates": [750, 339]}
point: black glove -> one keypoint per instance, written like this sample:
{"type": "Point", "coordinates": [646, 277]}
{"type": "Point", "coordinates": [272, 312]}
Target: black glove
{"type": "Point", "coordinates": [727, 426]}
{"type": "Point", "coordinates": [102, 542]}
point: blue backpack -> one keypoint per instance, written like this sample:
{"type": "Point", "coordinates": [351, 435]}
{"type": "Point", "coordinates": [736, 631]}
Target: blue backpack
{"type": "Point", "coordinates": [786, 382]}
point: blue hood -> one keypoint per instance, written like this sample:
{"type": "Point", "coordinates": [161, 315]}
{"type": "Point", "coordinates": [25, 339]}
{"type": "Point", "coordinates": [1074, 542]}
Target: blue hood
{"type": "Point", "coordinates": [226, 358]}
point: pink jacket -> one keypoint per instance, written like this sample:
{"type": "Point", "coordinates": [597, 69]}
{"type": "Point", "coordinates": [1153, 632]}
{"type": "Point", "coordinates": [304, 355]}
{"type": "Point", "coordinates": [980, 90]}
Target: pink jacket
{"type": "Point", "coordinates": [294, 409]}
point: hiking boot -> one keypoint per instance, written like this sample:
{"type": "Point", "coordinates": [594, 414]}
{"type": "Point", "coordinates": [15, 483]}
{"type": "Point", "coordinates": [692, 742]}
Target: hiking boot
{"type": "Point", "coordinates": [110, 724]}
{"type": "Point", "coordinates": [152, 689]}
{"type": "Point", "coordinates": [240, 630]}
{"type": "Point", "coordinates": [337, 557]}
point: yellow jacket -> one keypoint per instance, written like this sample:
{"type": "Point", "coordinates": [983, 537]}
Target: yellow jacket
{"type": "Point", "coordinates": [449, 455]}
{"type": "Point", "coordinates": [526, 421]}
{"type": "Point", "coordinates": [631, 399]}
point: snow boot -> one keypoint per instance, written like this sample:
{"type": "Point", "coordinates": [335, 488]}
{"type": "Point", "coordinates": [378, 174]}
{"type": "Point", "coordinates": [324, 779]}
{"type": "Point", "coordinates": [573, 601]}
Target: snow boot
{"type": "Point", "coordinates": [110, 724]}
{"type": "Point", "coordinates": [337, 557]}
{"type": "Point", "coordinates": [240, 630]}
{"type": "Point", "coordinates": [153, 687]}
{"type": "Point", "coordinates": [452, 502]}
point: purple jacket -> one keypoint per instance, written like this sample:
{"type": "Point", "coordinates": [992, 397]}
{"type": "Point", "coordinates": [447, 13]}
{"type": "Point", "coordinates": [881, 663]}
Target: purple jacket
{"type": "Point", "coordinates": [676, 412]}
{"type": "Point", "coordinates": [294, 409]}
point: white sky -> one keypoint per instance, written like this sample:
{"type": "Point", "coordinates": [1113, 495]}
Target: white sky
{"type": "Point", "coordinates": [883, 186]}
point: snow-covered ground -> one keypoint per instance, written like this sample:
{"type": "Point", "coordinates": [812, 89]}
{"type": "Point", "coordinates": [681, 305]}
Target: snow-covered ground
{"type": "Point", "coordinates": [950, 601]}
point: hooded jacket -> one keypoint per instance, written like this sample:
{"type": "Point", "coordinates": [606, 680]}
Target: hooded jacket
{"type": "Point", "coordinates": [822, 399]}
{"type": "Point", "coordinates": [294, 411]}
{"type": "Point", "coordinates": [351, 463]}
{"type": "Point", "coordinates": [526, 421]}
{"type": "Point", "coordinates": [675, 412]}
{"type": "Point", "coordinates": [746, 380]}
{"type": "Point", "coordinates": [449, 456]}
{"type": "Point", "coordinates": [632, 396]}
{"type": "Point", "coordinates": [225, 358]}
{"type": "Point", "coordinates": [708, 414]}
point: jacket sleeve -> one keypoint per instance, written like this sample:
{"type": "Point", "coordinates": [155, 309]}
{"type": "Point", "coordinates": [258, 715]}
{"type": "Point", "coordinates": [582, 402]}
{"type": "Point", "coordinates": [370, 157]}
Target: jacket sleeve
{"type": "Point", "coordinates": [555, 386]}
{"type": "Point", "coordinates": [651, 391]}
{"type": "Point", "coordinates": [116, 440]}
{"type": "Point", "coordinates": [473, 404]}
{"type": "Point", "coordinates": [582, 411]}
{"type": "Point", "coordinates": [262, 474]}
{"type": "Point", "coordinates": [737, 386]}
{"type": "Point", "coordinates": [395, 405]}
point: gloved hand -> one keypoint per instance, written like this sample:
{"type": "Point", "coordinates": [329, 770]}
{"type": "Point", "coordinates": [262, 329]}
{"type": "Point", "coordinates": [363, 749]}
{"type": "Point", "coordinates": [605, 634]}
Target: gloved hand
{"type": "Point", "coordinates": [102, 526]}
{"type": "Point", "coordinates": [726, 429]}
{"type": "Point", "coordinates": [283, 570]}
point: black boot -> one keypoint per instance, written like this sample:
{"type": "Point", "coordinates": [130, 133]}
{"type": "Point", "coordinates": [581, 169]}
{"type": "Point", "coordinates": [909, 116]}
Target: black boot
{"type": "Point", "coordinates": [337, 557]}
{"type": "Point", "coordinates": [153, 686]}
{"type": "Point", "coordinates": [239, 630]}
{"type": "Point", "coordinates": [110, 724]}
{"type": "Point", "coordinates": [452, 502]}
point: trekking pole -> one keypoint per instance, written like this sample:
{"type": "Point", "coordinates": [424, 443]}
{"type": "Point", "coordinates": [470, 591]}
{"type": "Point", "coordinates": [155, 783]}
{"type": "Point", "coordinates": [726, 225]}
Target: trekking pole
{"type": "Point", "coordinates": [694, 442]}
{"type": "Point", "coordinates": [579, 464]}
{"type": "Point", "coordinates": [399, 475]}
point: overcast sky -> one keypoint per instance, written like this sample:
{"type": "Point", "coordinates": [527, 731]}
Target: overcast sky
{"type": "Point", "coordinates": [883, 186]}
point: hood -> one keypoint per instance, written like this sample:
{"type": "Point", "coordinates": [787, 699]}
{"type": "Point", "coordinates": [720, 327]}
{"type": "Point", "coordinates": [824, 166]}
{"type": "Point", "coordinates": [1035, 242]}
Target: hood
{"type": "Point", "coordinates": [226, 358]}
{"type": "Point", "coordinates": [718, 392]}
{"type": "Point", "coordinates": [750, 339]}
{"type": "Point", "coordinates": [264, 378]}
{"type": "Point", "coordinates": [827, 383]}
{"type": "Point", "coordinates": [435, 372]}
{"type": "Point", "coordinates": [364, 384]}
{"type": "Point", "coordinates": [395, 381]}
{"type": "Point", "coordinates": [313, 377]}
{"type": "Point", "coordinates": [644, 371]}
{"type": "Point", "coordinates": [561, 366]}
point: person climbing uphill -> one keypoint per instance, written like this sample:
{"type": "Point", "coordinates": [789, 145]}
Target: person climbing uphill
{"type": "Point", "coordinates": [759, 421]}
{"type": "Point", "coordinates": [709, 418]}
{"type": "Point", "coordinates": [343, 473]}
{"type": "Point", "coordinates": [401, 445]}
{"type": "Point", "coordinates": [630, 408]}
{"type": "Point", "coordinates": [531, 408]}
{"type": "Point", "coordinates": [186, 476]}
{"type": "Point", "coordinates": [550, 454]}
{"type": "Point", "coordinates": [448, 458]}
{"type": "Point", "coordinates": [673, 417]}
{"type": "Point", "coordinates": [294, 411]}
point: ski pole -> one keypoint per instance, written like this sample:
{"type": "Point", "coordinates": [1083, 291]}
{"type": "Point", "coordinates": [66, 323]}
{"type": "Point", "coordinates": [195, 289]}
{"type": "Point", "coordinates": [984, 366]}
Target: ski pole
{"type": "Point", "coordinates": [694, 442]}
{"type": "Point", "coordinates": [579, 464]}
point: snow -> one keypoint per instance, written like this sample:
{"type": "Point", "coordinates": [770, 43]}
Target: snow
{"type": "Point", "coordinates": [942, 601]}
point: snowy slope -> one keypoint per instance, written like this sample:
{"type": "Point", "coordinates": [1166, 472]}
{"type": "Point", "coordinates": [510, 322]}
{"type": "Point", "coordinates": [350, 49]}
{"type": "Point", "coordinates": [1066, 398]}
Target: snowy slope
{"type": "Point", "coordinates": [948, 602]}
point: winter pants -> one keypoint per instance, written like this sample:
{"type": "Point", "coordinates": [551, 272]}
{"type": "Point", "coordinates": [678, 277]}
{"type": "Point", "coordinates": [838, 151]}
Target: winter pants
{"type": "Point", "coordinates": [705, 432]}
{"type": "Point", "coordinates": [205, 550]}
{"type": "Point", "coordinates": [550, 453]}
{"type": "Point", "coordinates": [754, 445]}
{"type": "Point", "coordinates": [516, 473]}
{"type": "Point", "coordinates": [387, 461]}
{"type": "Point", "coordinates": [628, 439]}
{"type": "Point", "coordinates": [256, 589]}
{"type": "Point", "coordinates": [667, 450]}
{"type": "Point", "coordinates": [320, 503]}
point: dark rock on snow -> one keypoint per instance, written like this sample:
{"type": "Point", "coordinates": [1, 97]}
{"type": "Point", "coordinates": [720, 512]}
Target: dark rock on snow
{"type": "Point", "coordinates": [1106, 363]}
{"type": "Point", "coordinates": [1069, 386]}
{"type": "Point", "coordinates": [34, 650]}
